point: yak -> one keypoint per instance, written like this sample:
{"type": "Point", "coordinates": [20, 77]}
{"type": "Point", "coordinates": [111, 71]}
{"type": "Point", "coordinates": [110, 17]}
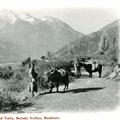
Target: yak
{"type": "Point", "coordinates": [57, 77]}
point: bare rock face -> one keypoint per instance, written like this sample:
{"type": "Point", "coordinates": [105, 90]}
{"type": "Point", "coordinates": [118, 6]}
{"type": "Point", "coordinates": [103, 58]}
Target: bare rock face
{"type": "Point", "coordinates": [104, 42]}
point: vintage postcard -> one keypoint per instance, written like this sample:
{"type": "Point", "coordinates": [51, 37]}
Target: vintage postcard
{"type": "Point", "coordinates": [59, 60]}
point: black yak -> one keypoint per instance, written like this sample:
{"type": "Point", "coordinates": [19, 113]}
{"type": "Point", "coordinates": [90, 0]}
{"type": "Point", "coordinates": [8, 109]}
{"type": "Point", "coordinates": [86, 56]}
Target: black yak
{"type": "Point", "coordinates": [57, 77]}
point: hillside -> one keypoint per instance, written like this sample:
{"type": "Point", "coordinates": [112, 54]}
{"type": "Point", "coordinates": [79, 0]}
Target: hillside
{"type": "Point", "coordinates": [24, 35]}
{"type": "Point", "coordinates": [99, 45]}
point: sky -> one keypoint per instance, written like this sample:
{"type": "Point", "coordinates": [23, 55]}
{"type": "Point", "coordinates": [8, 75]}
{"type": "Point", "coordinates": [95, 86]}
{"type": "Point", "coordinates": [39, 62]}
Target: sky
{"type": "Point", "coordinates": [84, 16]}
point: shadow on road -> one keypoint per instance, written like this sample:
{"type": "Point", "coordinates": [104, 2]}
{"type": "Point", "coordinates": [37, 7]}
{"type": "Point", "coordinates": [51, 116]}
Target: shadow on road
{"type": "Point", "coordinates": [23, 105]}
{"type": "Point", "coordinates": [78, 90]}
{"type": "Point", "coordinates": [83, 90]}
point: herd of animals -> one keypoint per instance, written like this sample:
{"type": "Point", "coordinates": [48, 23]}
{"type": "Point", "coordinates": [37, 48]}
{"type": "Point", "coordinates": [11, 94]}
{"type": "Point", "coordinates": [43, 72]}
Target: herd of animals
{"type": "Point", "coordinates": [61, 74]}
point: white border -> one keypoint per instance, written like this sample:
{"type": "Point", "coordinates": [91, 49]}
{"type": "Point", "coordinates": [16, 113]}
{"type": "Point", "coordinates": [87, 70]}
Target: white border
{"type": "Point", "coordinates": [44, 4]}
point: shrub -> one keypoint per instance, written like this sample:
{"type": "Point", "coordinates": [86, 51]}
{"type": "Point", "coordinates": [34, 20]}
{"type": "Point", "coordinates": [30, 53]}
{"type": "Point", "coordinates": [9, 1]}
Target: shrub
{"type": "Point", "coordinates": [27, 61]}
{"type": "Point", "coordinates": [6, 72]}
{"type": "Point", "coordinates": [19, 81]}
{"type": "Point", "coordinates": [8, 101]}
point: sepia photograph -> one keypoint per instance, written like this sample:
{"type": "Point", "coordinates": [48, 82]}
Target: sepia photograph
{"type": "Point", "coordinates": [59, 60]}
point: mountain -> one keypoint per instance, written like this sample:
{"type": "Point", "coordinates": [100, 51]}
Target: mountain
{"type": "Point", "coordinates": [101, 45]}
{"type": "Point", "coordinates": [23, 35]}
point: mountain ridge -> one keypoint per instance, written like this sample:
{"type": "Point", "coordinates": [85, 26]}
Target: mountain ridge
{"type": "Point", "coordinates": [102, 41]}
{"type": "Point", "coordinates": [23, 38]}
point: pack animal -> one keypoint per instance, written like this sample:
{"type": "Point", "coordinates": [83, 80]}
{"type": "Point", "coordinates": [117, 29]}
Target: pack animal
{"type": "Point", "coordinates": [92, 67]}
{"type": "Point", "coordinates": [57, 77]}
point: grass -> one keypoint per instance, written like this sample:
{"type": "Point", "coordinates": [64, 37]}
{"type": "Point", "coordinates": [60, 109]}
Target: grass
{"type": "Point", "coordinates": [8, 101]}
{"type": "Point", "coordinates": [13, 87]}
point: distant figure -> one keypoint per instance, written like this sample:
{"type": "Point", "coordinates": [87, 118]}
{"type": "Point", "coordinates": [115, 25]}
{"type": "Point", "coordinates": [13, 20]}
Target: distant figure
{"type": "Point", "coordinates": [33, 87]}
{"type": "Point", "coordinates": [77, 67]}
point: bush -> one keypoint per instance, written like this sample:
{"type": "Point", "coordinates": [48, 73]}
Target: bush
{"type": "Point", "coordinates": [6, 72]}
{"type": "Point", "coordinates": [27, 61]}
{"type": "Point", "coordinates": [19, 81]}
{"type": "Point", "coordinates": [8, 101]}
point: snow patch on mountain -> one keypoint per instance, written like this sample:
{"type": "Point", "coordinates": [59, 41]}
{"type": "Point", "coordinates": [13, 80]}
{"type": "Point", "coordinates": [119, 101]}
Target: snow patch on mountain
{"type": "Point", "coordinates": [50, 19]}
{"type": "Point", "coordinates": [8, 15]}
{"type": "Point", "coordinates": [27, 17]}
{"type": "Point", "coordinates": [12, 17]}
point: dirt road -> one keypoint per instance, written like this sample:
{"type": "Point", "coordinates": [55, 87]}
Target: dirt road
{"type": "Point", "coordinates": [84, 94]}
